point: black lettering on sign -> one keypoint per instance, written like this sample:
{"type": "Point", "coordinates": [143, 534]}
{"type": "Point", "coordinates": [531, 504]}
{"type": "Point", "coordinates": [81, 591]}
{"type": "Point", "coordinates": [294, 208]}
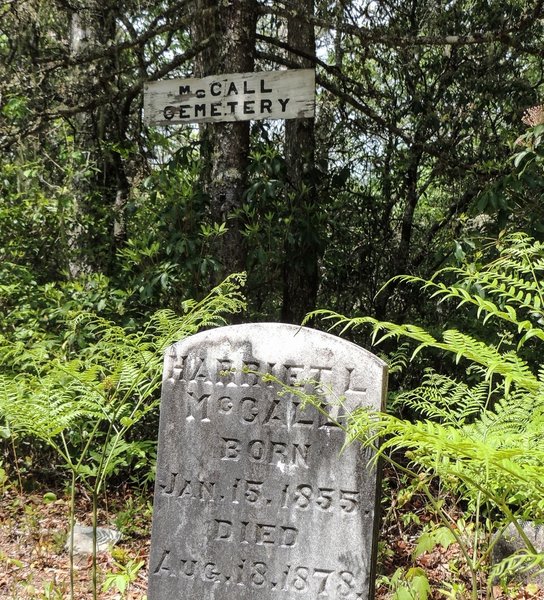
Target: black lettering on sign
{"type": "Point", "coordinates": [248, 107]}
{"type": "Point", "coordinates": [200, 93]}
{"type": "Point", "coordinates": [283, 103]}
{"type": "Point", "coordinates": [247, 90]}
{"type": "Point", "coordinates": [232, 89]}
{"type": "Point", "coordinates": [184, 89]}
{"type": "Point", "coordinates": [263, 89]}
{"type": "Point", "coordinates": [169, 112]}
{"type": "Point", "coordinates": [266, 105]}
{"type": "Point", "coordinates": [232, 106]}
{"type": "Point", "coordinates": [215, 88]}
{"type": "Point", "coordinates": [183, 114]}
{"type": "Point", "coordinates": [200, 108]}
{"type": "Point", "coordinates": [215, 109]}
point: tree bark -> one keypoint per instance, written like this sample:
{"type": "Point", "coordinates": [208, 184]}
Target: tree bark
{"type": "Point", "coordinates": [225, 146]}
{"type": "Point", "coordinates": [101, 182]}
{"type": "Point", "coordinates": [77, 235]}
{"type": "Point", "coordinates": [300, 268]}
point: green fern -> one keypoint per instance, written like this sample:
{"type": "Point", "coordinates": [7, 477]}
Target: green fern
{"type": "Point", "coordinates": [63, 399]}
{"type": "Point", "coordinates": [446, 400]}
{"type": "Point", "coordinates": [83, 401]}
{"type": "Point", "coordinates": [482, 435]}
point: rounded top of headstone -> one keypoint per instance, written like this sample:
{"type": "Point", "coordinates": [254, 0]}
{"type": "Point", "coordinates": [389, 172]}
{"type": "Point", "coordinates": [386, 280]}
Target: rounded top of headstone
{"type": "Point", "coordinates": [281, 338]}
{"type": "Point", "coordinates": [290, 353]}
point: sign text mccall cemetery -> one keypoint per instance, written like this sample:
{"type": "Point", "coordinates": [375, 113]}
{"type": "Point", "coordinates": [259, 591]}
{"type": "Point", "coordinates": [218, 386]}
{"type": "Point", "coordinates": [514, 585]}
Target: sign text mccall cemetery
{"type": "Point", "coordinates": [256, 496]}
{"type": "Point", "coordinates": [235, 97]}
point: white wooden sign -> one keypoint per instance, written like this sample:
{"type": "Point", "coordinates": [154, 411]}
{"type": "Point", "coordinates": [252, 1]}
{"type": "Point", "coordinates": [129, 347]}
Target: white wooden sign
{"type": "Point", "coordinates": [236, 97]}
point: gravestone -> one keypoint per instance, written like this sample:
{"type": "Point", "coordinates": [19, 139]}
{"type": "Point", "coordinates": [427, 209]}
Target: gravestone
{"type": "Point", "coordinates": [255, 497]}
{"type": "Point", "coordinates": [511, 542]}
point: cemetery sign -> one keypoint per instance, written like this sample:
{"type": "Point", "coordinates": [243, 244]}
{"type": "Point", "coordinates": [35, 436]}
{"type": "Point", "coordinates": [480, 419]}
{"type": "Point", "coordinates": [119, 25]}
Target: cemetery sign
{"type": "Point", "coordinates": [235, 97]}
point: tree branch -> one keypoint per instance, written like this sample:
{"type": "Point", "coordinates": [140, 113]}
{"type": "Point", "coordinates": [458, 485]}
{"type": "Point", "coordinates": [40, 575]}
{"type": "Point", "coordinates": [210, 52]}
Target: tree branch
{"type": "Point", "coordinates": [382, 35]}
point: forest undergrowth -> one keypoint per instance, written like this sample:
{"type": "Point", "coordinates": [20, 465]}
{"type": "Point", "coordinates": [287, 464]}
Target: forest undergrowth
{"type": "Point", "coordinates": [34, 561]}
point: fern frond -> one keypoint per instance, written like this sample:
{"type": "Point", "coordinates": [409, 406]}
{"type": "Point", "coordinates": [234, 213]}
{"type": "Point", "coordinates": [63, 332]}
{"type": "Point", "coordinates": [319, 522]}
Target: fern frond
{"type": "Point", "coordinates": [508, 364]}
{"type": "Point", "coordinates": [518, 563]}
{"type": "Point", "coordinates": [488, 309]}
{"type": "Point", "coordinates": [441, 398]}
{"type": "Point", "coordinates": [47, 411]}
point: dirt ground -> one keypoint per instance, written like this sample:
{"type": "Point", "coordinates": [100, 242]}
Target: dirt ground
{"type": "Point", "coordinates": [34, 563]}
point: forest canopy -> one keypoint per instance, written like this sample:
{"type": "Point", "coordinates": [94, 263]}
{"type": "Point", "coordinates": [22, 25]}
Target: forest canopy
{"type": "Point", "coordinates": [405, 166]}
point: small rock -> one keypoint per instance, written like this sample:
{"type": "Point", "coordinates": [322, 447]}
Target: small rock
{"type": "Point", "coordinates": [83, 539]}
{"type": "Point", "coordinates": [511, 542]}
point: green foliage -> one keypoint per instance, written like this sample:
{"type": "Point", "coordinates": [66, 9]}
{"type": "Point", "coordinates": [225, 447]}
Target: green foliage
{"type": "Point", "coordinates": [441, 536]}
{"type": "Point", "coordinates": [82, 395]}
{"type": "Point", "coordinates": [481, 431]}
{"type": "Point", "coordinates": [125, 573]}
{"type": "Point", "coordinates": [63, 394]}
{"type": "Point", "coordinates": [282, 224]}
{"type": "Point", "coordinates": [168, 251]}
{"type": "Point", "coordinates": [409, 585]}
{"type": "Point", "coordinates": [515, 200]}
{"type": "Point", "coordinates": [521, 562]}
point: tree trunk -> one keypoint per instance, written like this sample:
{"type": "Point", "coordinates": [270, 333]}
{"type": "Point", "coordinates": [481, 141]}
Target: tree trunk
{"type": "Point", "coordinates": [300, 268]}
{"type": "Point", "coordinates": [101, 183]}
{"type": "Point", "coordinates": [77, 234]}
{"type": "Point", "coordinates": [225, 146]}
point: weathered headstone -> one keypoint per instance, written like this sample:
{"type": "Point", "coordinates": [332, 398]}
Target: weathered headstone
{"type": "Point", "coordinates": [254, 497]}
{"type": "Point", "coordinates": [511, 542]}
